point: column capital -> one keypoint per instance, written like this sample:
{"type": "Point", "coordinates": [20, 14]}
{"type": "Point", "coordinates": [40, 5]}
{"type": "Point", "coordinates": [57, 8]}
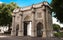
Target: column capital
{"type": "Point", "coordinates": [21, 14]}
{"type": "Point", "coordinates": [33, 10]}
{"type": "Point", "coordinates": [43, 8]}
{"type": "Point", "coordinates": [13, 15]}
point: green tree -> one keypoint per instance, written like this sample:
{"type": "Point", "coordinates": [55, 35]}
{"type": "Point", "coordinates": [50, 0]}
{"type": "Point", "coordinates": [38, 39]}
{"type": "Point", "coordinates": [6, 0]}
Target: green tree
{"type": "Point", "coordinates": [5, 13]}
{"type": "Point", "coordinates": [57, 6]}
{"type": "Point", "coordinates": [56, 27]}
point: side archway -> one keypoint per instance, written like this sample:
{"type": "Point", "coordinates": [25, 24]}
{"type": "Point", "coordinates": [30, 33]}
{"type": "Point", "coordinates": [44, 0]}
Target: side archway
{"type": "Point", "coordinates": [39, 29]}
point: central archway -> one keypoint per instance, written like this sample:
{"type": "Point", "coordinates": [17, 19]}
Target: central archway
{"type": "Point", "coordinates": [27, 25]}
{"type": "Point", "coordinates": [27, 28]}
{"type": "Point", "coordinates": [39, 29]}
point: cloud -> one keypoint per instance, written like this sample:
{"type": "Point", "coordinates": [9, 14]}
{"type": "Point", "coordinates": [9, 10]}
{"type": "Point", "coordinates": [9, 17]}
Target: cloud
{"type": "Point", "coordinates": [55, 21]}
{"type": "Point", "coordinates": [1, 2]}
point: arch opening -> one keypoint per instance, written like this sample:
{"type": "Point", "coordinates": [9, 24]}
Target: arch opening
{"type": "Point", "coordinates": [39, 29]}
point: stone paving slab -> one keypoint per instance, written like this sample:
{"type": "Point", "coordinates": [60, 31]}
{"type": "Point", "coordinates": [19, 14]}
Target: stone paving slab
{"type": "Point", "coordinates": [26, 38]}
{"type": "Point", "coordinates": [3, 36]}
{"type": "Point", "coordinates": [20, 38]}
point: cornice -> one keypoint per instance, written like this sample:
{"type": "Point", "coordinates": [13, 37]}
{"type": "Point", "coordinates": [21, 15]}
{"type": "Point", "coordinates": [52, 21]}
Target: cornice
{"type": "Point", "coordinates": [33, 6]}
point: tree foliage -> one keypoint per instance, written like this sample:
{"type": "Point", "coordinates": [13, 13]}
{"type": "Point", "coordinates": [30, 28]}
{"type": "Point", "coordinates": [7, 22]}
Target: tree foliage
{"type": "Point", "coordinates": [5, 13]}
{"type": "Point", "coordinates": [58, 34]}
{"type": "Point", "coordinates": [56, 27]}
{"type": "Point", "coordinates": [57, 6]}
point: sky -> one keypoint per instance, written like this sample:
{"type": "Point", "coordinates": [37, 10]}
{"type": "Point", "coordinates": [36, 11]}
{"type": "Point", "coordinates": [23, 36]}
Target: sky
{"type": "Point", "coordinates": [23, 3]}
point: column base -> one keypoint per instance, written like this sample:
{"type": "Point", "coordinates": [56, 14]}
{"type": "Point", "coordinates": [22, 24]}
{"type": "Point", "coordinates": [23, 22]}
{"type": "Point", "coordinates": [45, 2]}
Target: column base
{"type": "Point", "coordinates": [33, 34]}
{"type": "Point", "coordinates": [20, 33]}
{"type": "Point", "coordinates": [44, 35]}
{"type": "Point", "coordinates": [13, 33]}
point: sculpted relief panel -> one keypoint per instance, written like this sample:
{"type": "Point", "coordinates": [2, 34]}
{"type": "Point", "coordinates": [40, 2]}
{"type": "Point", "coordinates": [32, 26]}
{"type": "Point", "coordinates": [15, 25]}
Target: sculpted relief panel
{"type": "Point", "coordinates": [39, 15]}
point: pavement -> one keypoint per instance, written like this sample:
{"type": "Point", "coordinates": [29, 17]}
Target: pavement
{"type": "Point", "coordinates": [19, 38]}
{"type": "Point", "coordinates": [4, 36]}
{"type": "Point", "coordinates": [25, 38]}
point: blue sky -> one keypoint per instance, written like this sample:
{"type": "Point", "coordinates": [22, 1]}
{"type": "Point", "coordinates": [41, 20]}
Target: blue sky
{"type": "Point", "coordinates": [23, 3]}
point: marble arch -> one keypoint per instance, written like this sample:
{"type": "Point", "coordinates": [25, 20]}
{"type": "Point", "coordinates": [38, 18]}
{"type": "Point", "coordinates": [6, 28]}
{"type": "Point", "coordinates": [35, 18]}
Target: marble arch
{"type": "Point", "coordinates": [27, 26]}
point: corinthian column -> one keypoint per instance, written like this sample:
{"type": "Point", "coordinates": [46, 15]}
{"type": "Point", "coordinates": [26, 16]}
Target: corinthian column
{"type": "Point", "coordinates": [33, 28]}
{"type": "Point", "coordinates": [44, 21]}
{"type": "Point", "coordinates": [13, 32]}
{"type": "Point", "coordinates": [20, 33]}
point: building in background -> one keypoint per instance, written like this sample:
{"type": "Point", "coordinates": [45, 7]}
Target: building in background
{"type": "Point", "coordinates": [3, 29]}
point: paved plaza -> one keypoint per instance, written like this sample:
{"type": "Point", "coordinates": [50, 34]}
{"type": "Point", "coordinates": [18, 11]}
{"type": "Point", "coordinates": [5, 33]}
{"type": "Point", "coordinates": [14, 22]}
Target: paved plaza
{"type": "Point", "coordinates": [26, 38]}
{"type": "Point", "coordinates": [20, 38]}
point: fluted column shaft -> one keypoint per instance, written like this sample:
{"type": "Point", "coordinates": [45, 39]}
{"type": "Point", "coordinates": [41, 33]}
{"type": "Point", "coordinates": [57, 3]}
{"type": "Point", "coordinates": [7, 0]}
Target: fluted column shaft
{"type": "Point", "coordinates": [13, 32]}
{"type": "Point", "coordinates": [21, 26]}
{"type": "Point", "coordinates": [48, 28]}
{"type": "Point", "coordinates": [44, 22]}
{"type": "Point", "coordinates": [33, 30]}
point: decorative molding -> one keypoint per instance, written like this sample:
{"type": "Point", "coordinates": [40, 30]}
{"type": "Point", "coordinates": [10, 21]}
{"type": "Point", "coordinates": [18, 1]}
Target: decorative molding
{"type": "Point", "coordinates": [13, 15]}
{"type": "Point", "coordinates": [32, 7]}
